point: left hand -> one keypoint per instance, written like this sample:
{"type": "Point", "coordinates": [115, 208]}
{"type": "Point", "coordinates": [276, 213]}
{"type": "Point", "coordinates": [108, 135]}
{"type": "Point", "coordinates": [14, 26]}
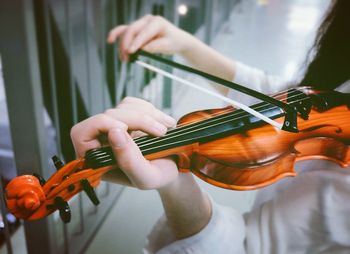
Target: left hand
{"type": "Point", "coordinates": [131, 114]}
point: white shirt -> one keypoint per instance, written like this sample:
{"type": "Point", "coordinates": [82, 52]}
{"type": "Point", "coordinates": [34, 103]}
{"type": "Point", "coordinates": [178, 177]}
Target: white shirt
{"type": "Point", "coordinates": [309, 213]}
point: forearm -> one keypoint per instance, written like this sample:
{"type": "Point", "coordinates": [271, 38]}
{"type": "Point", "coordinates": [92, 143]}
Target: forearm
{"type": "Point", "coordinates": [187, 208]}
{"type": "Point", "coordinates": [206, 59]}
{"type": "Point", "coordinates": [157, 35]}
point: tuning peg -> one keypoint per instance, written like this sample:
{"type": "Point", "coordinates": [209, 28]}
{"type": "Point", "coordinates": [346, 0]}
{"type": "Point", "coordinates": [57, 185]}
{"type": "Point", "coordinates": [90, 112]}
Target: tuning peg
{"type": "Point", "coordinates": [63, 208]}
{"type": "Point", "coordinates": [42, 181]}
{"type": "Point", "coordinates": [57, 162]}
{"type": "Point", "coordinates": [90, 192]}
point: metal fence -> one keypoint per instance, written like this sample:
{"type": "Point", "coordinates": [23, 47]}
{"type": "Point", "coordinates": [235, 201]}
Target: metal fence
{"type": "Point", "coordinates": [58, 70]}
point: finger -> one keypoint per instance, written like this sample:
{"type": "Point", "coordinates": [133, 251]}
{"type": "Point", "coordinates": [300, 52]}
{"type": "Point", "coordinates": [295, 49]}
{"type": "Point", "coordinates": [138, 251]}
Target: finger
{"type": "Point", "coordinates": [142, 173]}
{"type": "Point", "coordinates": [137, 134]}
{"type": "Point", "coordinates": [163, 118]}
{"type": "Point", "coordinates": [136, 120]}
{"type": "Point", "coordinates": [85, 134]}
{"type": "Point", "coordinates": [134, 103]}
{"type": "Point", "coordinates": [154, 28]}
{"type": "Point", "coordinates": [159, 45]}
{"type": "Point", "coordinates": [131, 103]}
{"type": "Point", "coordinates": [130, 34]}
{"type": "Point", "coordinates": [115, 33]}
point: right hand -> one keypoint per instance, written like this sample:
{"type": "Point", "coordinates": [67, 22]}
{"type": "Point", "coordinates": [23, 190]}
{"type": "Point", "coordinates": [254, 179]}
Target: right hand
{"type": "Point", "coordinates": [152, 33]}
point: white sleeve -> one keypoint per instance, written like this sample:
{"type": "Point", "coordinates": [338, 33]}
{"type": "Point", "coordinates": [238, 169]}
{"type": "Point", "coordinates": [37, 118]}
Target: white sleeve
{"type": "Point", "coordinates": [307, 214]}
{"type": "Point", "coordinates": [257, 80]}
{"type": "Point", "coordinates": [225, 233]}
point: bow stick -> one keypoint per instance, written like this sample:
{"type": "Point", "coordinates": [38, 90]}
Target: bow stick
{"type": "Point", "coordinates": [290, 122]}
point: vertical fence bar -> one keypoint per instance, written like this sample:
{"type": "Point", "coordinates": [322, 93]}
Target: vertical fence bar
{"type": "Point", "coordinates": [115, 61]}
{"type": "Point", "coordinates": [4, 219]}
{"type": "Point", "coordinates": [53, 88]}
{"type": "Point", "coordinates": [130, 75]}
{"type": "Point", "coordinates": [209, 4]}
{"type": "Point", "coordinates": [87, 53]}
{"type": "Point", "coordinates": [72, 86]}
{"type": "Point", "coordinates": [103, 52]}
{"type": "Point", "coordinates": [51, 72]}
{"type": "Point", "coordinates": [88, 66]}
{"type": "Point", "coordinates": [70, 62]}
{"type": "Point", "coordinates": [122, 82]}
{"type": "Point", "coordinates": [25, 103]}
{"type": "Point", "coordinates": [73, 90]}
{"type": "Point", "coordinates": [120, 86]}
{"type": "Point", "coordinates": [115, 49]}
{"type": "Point", "coordinates": [172, 15]}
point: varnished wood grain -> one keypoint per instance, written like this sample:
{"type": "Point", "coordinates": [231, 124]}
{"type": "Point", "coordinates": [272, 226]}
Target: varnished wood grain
{"type": "Point", "coordinates": [263, 155]}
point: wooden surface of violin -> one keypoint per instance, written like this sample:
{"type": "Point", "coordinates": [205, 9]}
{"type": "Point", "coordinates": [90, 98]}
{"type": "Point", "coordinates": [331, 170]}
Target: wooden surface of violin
{"type": "Point", "coordinates": [257, 157]}
{"type": "Point", "coordinates": [260, 156]}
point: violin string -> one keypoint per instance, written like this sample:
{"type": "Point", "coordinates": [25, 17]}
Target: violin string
{"type": "Point", "coordinates": [277, 96]}
{"type": "Point", "coordinates": [177, 136]}
{"type": "Point", "coordinates": [231, 117]}
{"type": "Point", "coordinates": [144, 147]}
{"type": "Point", "coordinates": [231, 109]}
{"type": "Point", "coordinates": [236, 114]}
{"type": "Point", "coordinates": [165, 138]}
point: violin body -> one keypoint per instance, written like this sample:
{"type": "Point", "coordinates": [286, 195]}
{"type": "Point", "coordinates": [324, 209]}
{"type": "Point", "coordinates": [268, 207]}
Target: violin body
{"type": "Point", "coordinates": [259, 157]}
{"type": "Point", "coordinates": [224, 147]}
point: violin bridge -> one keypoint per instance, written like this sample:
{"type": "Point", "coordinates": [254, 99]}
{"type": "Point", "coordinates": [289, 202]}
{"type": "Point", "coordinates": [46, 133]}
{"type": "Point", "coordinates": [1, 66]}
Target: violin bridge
{"type": "Point", "coordinates": [290, 121]}
{"type": "Point", "coordinates": [303, 104]}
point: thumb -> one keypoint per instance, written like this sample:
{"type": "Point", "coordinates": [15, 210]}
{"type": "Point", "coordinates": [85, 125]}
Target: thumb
{"type": "Point", "coordinates": [131, 161]}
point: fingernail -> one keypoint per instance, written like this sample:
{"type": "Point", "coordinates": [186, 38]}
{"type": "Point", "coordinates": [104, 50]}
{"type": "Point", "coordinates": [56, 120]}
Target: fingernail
{"type": "Point", "coordinates": [117, 138]}
{"type": "Point", "coordinates": [132, 49]}
{"type": "Point", "coordinates": [159, 128]}
{"type": "Point", "coordinates": [170, 122]}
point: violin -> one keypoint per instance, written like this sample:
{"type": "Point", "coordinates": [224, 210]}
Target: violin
{"type": "Point", "coordinates": [226, 147]}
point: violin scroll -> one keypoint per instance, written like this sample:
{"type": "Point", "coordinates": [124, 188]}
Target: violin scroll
{"type": "Point", "coordinates": [24, 195]}
{"type": "Point", "coordinates": [31, 197]}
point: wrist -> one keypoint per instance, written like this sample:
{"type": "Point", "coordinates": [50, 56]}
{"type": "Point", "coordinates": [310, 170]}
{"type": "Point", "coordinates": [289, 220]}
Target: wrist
{"type": "Point", "coordinates": [190, 47]}
{"type": "Point", "coordinates": [186, 206]}
{"type": "Point", "coordinates": [171, 188]}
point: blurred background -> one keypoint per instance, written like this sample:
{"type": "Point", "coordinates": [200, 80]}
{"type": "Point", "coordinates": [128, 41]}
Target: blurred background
{"type": "Point", "coordinates": [56, 70]}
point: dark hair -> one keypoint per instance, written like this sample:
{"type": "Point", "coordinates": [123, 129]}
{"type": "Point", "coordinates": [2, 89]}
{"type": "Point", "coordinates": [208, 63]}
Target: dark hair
{"type": "Point", "coordinates": [330, 66]}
